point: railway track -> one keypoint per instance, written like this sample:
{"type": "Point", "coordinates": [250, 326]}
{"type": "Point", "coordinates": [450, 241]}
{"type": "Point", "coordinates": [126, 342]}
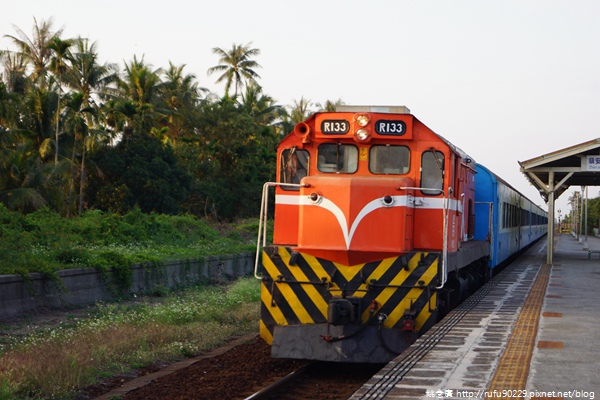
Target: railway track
{"type": "Point", "coordinates": [272, 390]}
{"type": "Point", "coordinates": [248, 371]}
{"type": "Point", "coordinates": [319, 381]}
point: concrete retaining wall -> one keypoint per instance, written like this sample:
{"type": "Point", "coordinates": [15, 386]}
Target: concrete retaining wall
{"type": "Point", "coordinates": [87, 285]}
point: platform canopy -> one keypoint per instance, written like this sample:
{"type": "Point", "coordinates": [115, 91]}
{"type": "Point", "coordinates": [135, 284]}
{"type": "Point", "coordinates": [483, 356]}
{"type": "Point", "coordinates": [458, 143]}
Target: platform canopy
{"type": "Point", "coordinates": [553, 173]}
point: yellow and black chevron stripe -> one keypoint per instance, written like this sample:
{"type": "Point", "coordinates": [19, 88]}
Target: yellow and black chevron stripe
{"type": "Point", "coordinates": [297, 287]}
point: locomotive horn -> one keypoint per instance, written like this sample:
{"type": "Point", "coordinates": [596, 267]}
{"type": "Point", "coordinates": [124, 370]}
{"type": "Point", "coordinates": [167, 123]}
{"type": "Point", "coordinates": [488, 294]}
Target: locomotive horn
{"type": "Point", "coordinates": [301, 129]}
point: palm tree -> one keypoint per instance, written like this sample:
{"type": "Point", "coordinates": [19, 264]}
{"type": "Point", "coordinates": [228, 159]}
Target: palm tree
{"type": "Point", "coordinates": [329, 106]}
{"type": "Point", "coordinates": [264, 111]}
{"type": "Point", "coordinates": [181, 89]}
{"type": "Point", "coordinates": [181, 95]}
{"type": "Point", "coordinates": [86, 75]}
{"type": "Point", "coordinates": [36, 50]}
{"type": "Point", "coordinates": [90, 78]}
{"type": "Point", "coordinates": [15, 76]}
{"type": "Point", "coordinates": [140, 84]}
{"type": "Point", "coordinates": [77, 115]}
{"type": "Point", "coordinates": [58, 65]}
{"type": "Point", "coordinates": [36, 118]}
{"type": "Point", "coordinates": [91, 83]}
{"type": "Point", "coordinates": [26, 197]}
{"type": "Point", "coordinates": [7, 109]}
{"type": "Point", "coordinates": [259, 106]}
{"type": "Point", "coordinates": [121, 116]}
{"type": "Point", "coordinates": [236, 66]}
{"type": "Point", "coordinates": [142, 87]}
{"type": "Point", "coordinates": [299, 111]}
{"type": "Point", "coordinates": [22, 174]}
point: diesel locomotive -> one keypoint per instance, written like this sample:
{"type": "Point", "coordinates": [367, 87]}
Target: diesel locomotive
{"type": "Point", "coordinates": [380, 227]}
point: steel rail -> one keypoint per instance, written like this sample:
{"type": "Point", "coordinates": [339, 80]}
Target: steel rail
{"type": "Point", "coordinates": [269, 390]}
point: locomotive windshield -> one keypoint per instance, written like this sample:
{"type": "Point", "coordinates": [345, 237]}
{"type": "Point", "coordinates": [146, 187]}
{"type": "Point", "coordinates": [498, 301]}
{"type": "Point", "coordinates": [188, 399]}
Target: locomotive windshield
{"type": "Point", "coordinates": [386, 159]}
{"type": "Point", "coordinates": [337, 158]}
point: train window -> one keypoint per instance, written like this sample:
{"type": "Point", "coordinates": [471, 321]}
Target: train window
{"type": "Point", "coordinates": [294, 165]}
{"type": "Point", "coordinates": [389, 159]}
{"type": "Point", "coordinates": [432, 172]}
{"type": "Point", "coordinates": [337, 158]}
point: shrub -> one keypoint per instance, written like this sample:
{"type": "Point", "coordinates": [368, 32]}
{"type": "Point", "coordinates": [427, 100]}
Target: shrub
{"type": "Point", "coordinates": [108, 262]}
{"type": "Point", "coordinates": [45, 242]}
{"type": "Point", "coordinates": [72, 255]}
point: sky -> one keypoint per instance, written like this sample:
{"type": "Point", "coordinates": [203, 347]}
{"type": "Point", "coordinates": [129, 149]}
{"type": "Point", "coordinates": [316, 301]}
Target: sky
{"type": "Point", "coordinates": [505, 81]}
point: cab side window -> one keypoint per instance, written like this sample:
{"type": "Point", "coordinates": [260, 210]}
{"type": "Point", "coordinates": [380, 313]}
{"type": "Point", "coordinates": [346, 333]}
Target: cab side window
{"type": "Point", "coordinates": [432, 172]}
{"type": "Point", "coordinates": [294, 165]}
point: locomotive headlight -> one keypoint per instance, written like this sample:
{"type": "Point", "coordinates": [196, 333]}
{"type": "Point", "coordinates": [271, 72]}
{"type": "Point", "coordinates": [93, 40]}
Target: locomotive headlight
{"type": "Point", "coordinates": [362, 135]}
{"type": "Point", "coordinates": [363, 120]}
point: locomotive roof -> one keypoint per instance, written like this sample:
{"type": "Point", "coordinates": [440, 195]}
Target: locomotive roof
{"type": "Point", "coordinates": [398, 110]}
{"type": "Point", "coordinates": [456, 149]}
{"type": "Point", "coordinates": [374, 109]}
{"type": "Point", "coordinates": [392, 110]}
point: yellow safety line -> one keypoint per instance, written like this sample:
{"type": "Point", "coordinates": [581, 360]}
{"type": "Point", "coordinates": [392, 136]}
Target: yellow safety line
{"type": "Point", "coordinates": [513, 368]}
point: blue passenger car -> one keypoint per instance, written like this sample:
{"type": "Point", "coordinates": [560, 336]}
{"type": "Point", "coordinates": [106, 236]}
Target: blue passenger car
{"type": "Point", "coordinates": [505, 218]}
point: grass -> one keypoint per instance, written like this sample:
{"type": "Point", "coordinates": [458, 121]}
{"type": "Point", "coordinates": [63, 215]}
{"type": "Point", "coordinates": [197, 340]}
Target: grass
{"type": "Point", "coordinates": [116, 338]}
{"type": "Point", "coordinates": [45, 242]}
{"type": "Point", "coordinates": [52, 362]}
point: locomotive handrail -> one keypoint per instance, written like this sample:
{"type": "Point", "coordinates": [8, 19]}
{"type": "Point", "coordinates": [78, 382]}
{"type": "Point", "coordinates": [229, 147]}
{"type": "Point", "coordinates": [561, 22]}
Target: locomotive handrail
{"type": "Point", "coordinates": [421, 188]}
{"type": "Point", "coordinates": [262, 221]}
{"type": "Point", "coordinates": [445, 228]}
{"type": "Point", "coordinates": [445, 246]}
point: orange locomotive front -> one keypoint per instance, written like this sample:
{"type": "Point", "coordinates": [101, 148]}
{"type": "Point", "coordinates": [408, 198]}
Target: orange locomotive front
{"type": "Point", "coordinates": [371, 208]}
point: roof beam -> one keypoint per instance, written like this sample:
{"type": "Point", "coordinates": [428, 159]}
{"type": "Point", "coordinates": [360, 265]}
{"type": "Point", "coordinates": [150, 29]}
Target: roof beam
{"type": "Point", "coordinates": [552, 169]}
{"type": "Point", "coordinates": [563, 180]}
{"type": "Point", "coordinates": [540, 184]}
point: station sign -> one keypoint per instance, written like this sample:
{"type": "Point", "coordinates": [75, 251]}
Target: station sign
{"type": "Point", "coordinates": [592, 163]}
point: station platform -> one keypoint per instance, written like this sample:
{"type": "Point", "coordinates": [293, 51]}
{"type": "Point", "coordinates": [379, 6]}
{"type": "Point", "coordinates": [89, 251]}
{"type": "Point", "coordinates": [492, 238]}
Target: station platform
{"type": "Point", "coordinates": [530, 333]}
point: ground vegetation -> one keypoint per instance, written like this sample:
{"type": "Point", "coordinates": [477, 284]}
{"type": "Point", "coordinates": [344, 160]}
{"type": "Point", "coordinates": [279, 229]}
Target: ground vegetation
{"type": "Point", "coordinates": [60, 356]}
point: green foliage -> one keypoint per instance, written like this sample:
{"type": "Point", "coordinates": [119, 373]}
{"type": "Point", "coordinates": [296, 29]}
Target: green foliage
{"type": "Point", "coordinates": [7, 388]}
{"type": "Point", "coordinates": [245, 290]}
{"type": "Point", "coordinates": [118, 264]}
{"type": "Point", "coordinates": [71, 256]}
{"type": "Point", "coordinates": [580, 208]}
{"type": "Point", "coordinates": [138, 172]}
{"type": "Point", "coordinates": [21, 243]}
{"type": "Point", "coordinates": [230, 160]}
{"type": "Point", "coordinates": [593, 215]}
{"type": "Point", "coordinates": [45, 242]}
{"type": "Point", "coordinates": [76, 134]}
